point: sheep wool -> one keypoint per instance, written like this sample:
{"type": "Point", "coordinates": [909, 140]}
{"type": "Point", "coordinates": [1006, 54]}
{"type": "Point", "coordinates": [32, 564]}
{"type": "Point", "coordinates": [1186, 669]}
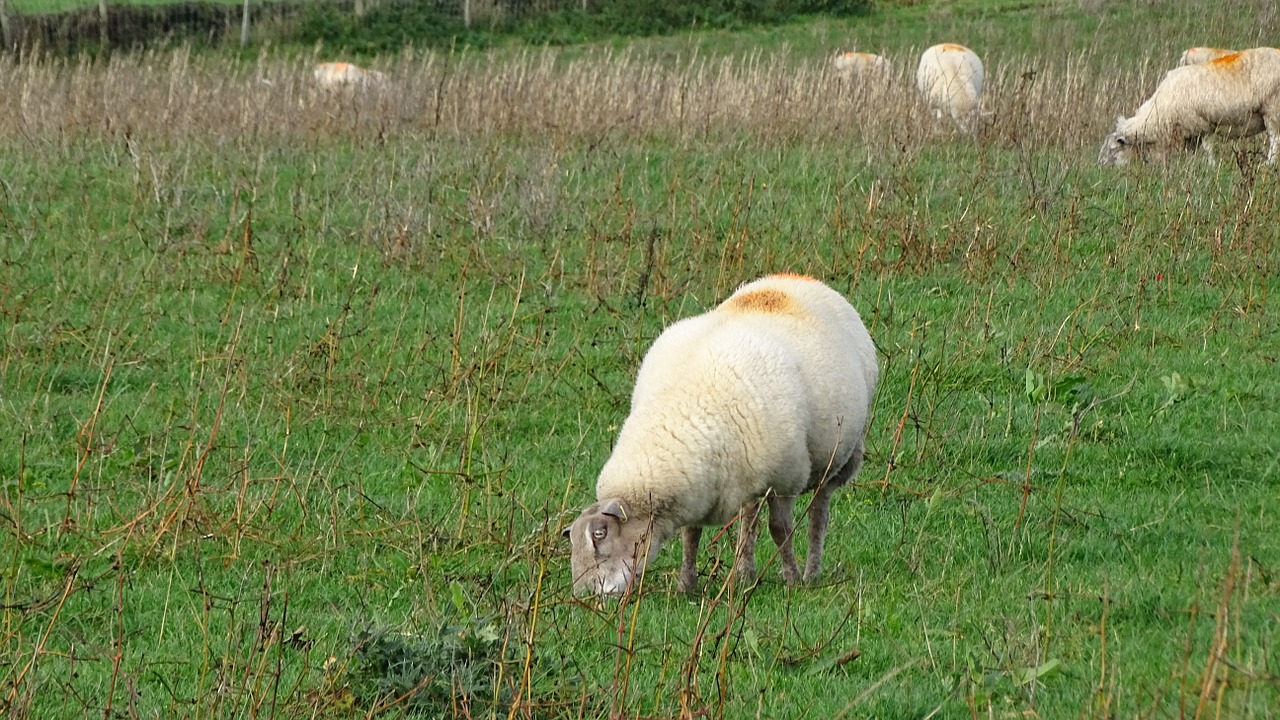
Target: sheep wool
{"type": "Point", "coordinates": [860, 67]}
{"type": "Point", "coordinates": [1234, 96]}
{"type": "Point", "coordinates": [1197, 55]}
{"type": "Point", "coordinates": [767, 396]}
{"type": "Point", "coordinates": [339, 76]}
{"type": "Point", "coordinates": [950, 78]}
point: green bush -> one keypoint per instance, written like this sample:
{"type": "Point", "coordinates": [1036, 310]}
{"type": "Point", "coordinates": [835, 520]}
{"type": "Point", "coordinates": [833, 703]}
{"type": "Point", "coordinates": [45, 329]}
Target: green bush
{"type": "Point", "coordinates": [392, 25]}
{"type": "Point", "coordinates": [385, 28]}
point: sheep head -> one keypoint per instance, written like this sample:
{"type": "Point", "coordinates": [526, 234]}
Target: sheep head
{"type": "Point", "coordinates": [1117, 148]}
{"type": "Point", "coordinates": [609, 548]}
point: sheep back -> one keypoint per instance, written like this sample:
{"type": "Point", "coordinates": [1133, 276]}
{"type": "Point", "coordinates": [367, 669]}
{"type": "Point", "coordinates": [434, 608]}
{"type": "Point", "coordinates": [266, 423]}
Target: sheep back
{"type": "Point", "coordinates": [857, 66]}
{"type": "Point", "coordinates": [333, 76]}
{"type": "Point", "coordinates": [1197, 55]}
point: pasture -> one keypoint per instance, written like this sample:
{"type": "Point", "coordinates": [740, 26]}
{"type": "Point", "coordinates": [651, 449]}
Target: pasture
{"type": "Point", "coordinates": [297, 391]}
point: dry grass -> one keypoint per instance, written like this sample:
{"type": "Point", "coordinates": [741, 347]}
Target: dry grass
{"type": "Point", "coordinates": [178, 96]}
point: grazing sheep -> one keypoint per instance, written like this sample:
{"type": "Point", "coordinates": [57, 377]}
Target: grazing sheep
{"type": "Point", "coordinates": [950, 78]}
{"type": "Point", "coordinates": [341, 76]}
{"type": "Point", "coordinates": [1197, 55]}
{"type": "Point", "coordinates": [766, 396]}
{"type": "Point", "coordinates": [1234, 96]}
{"type": "Point", "coordinates": [858, 66]}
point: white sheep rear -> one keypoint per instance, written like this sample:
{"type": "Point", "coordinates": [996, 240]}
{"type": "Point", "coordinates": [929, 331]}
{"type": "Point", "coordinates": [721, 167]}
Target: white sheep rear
{"type": "Point", "coordinates": [950, 78]}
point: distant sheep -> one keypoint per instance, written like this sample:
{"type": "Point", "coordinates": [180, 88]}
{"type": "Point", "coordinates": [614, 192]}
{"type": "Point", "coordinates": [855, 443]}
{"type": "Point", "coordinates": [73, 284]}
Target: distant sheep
{"type": "Point", "coordinates": [1234, 96]}
{"type": "Point", "coordinates": [341, 76]}
{"type": "Point", "coordinates": [766, 396]}
{"type": "Point", "coordinates": [860, 66]}
{"type": "Point", "coordinates": [950, 78]}
{"type": "Point", "coordinates": [1197, 55]}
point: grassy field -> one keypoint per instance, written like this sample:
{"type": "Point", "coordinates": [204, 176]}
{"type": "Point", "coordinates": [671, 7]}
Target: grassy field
{"type": "Point", "coordinates": [297, 392]}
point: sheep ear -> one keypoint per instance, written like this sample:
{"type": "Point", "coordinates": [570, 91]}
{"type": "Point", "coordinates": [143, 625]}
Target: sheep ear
{"type": "Point", "coordinates": [615, 509]}
{"type": "Point", "coordinates": [565, 532]}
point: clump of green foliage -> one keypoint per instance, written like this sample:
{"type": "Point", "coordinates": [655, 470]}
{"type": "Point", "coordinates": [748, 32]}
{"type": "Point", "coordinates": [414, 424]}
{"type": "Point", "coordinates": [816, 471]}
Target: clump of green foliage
{"type": "Point", "coordinates": [456, 665]}
{"type": "Point", "coordinates": [390, 26]}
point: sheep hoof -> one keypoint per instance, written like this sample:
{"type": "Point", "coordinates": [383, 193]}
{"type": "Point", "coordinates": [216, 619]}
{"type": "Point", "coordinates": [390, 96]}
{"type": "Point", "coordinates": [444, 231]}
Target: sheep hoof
{"type": "Point", "coordinates": [688, 579]}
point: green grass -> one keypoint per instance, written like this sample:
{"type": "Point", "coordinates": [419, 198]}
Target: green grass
{"type": "Point", "coordinates": [296, 394]}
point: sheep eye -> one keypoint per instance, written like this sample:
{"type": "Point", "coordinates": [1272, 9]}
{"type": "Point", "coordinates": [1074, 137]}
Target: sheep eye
{"type": "Point", "coordinates": [599, 533]}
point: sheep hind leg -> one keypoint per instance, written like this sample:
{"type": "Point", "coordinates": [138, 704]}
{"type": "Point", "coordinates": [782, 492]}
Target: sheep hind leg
{"type": "Point", "coordinates": [689, 566]}
{"type": "Point", "coordinates": [781, 528]}
{"type": "Point", "coordinates": [744, 564]}
{"type": "Point", "coordinates": [820, 513]}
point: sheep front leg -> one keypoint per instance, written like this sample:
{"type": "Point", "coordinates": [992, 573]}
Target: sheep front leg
{"type": "Point", "coordinates": [744, 561]}
{"type": "Point", "coordinates": [781, 528]}
{"type": "Point", "coordinates": [691, 536]}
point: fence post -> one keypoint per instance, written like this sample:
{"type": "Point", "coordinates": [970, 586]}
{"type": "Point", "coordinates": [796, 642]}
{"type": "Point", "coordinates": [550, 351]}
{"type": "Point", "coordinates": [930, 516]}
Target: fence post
{"type": "Point", "coordinates": [244, 26]}
{"type": "Point", "coordinates": [466, 14]}
{"type": "Point", "coordinates": [359, 8]}
{"type": "Point", "coordinates": [6, 33]}
{"type": "Point", "coordinates": [103, 36]}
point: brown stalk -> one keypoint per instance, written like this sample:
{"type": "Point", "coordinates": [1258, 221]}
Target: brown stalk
{"type": "Point", "coordinates": [87, 438]}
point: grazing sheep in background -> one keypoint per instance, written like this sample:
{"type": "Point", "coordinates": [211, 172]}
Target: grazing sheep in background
{"type": "Point", "coordinates": [857, 66]}
{"type": "Point", "coordinates": [1234, 96]}
{"type": "Point", "coordinates": [341, 76]}
{"type": "Point", "coordinates": [1197, 55]}
{"type": "Point", "coordinates": [950, 78]}
{"type": "Point", "coordinates": [766, 396]}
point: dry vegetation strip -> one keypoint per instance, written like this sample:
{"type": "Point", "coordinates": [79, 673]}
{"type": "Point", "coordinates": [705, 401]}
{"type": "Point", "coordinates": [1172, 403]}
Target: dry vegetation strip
{"type": "Point", "coordinates": [1068, 103]}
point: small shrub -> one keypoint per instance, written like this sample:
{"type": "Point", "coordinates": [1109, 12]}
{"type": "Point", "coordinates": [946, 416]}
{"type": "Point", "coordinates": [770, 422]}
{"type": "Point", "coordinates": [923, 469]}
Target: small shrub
{"type": "Point", "coordinates": [455, 666]}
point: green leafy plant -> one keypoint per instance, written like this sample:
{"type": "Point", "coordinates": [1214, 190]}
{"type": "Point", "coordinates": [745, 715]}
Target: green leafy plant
{"type": "Point", "coordinates": [1177, 388]}
{"type": "Point", "coordinates": [456, 664]}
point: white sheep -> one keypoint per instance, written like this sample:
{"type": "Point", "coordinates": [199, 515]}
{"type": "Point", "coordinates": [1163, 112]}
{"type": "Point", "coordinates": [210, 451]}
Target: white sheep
{"type": "Point", "coordinates": [766, 396]}
{"type": "Point", "coordinates": [341, 76]}
{"type": "Point", "coordinates": [1197, 55]}
{"type": "Point", "coordinates": [1234, 96]}
{"type": "Point", "coordinates": [860, 66]}
{"type": "Point", "coordinates": [950, 78]}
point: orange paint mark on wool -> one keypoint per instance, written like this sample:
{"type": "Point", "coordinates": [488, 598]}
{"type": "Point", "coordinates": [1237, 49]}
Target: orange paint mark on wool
{"type": "Point", "coordinates": [1226, 60]}
{"type": "Point", "coordinates": [765, 300]}
{"type": "Point", "coordinates": [952, 47]}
